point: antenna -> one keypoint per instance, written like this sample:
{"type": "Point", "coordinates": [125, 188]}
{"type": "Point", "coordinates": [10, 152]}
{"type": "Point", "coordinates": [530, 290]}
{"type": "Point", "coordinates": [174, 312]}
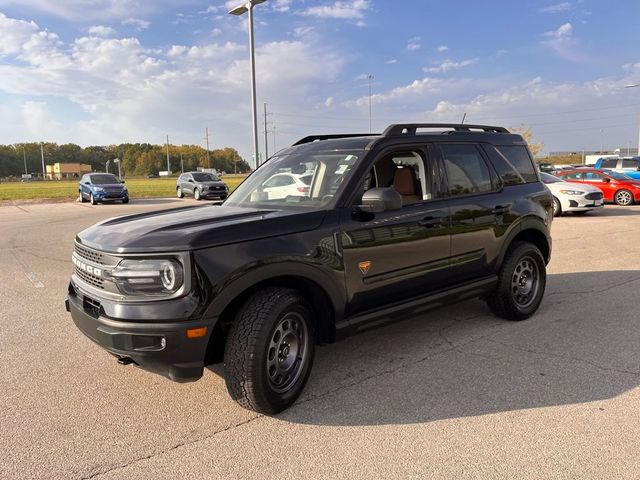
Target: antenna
{"type": "Point", "coordinates": [463, 117]}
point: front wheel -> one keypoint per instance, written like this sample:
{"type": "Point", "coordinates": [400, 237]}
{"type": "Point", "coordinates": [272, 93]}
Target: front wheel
{"type": "Point", "coordinates": [196, 194]}
{"type": "Point", "coordinates": [521, 283]}
{"type": "Point", "coordinates": [82, 200]}
{"type": "Point", "coordinates": [624, 198]}
{"type": "Point", "coordinates": [93, 200]}
{"type": "Point", "coordinates": [179, 193]}
{"type": "Point", "coordinates": [269, 350]}
{"type": "Point", "coordinates": [125, 200]}
{"type": "Point", "coordinates": [557, 208]}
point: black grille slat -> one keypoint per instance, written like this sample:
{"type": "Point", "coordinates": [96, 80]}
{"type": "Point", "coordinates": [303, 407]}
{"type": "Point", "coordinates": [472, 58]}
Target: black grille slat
{"type": "Point", "coordinates": [90, 255]}
{"type": "Point", "coordinates": [594, 196]}
{"type": "Point", "coordinates": [90, 279]}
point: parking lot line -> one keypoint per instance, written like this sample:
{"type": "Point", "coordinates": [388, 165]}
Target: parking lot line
{"type": "Point", "coordinates": [33, 278]}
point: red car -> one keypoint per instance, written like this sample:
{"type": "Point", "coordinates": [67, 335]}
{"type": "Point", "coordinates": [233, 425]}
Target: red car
{"type": "Point", "coordinates": [616, 187]}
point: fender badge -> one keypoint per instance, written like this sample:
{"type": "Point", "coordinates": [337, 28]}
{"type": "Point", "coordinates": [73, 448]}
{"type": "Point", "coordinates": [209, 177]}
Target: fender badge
{"type": "Point", "coordinates": [364, 267]}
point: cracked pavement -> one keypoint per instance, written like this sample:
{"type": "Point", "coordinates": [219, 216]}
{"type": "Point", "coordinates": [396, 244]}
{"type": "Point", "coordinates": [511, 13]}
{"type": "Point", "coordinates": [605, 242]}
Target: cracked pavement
{"type": "Point", "coordinates": [454, 393]}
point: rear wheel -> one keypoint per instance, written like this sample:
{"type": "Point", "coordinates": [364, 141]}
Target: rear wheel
{"type": "Point", "coordinates": [557, 208]}
{"type": "Point", "coordinates": [196, 194]}
{"type": "Point", "coordinates": [623, 197]}
{"type": "Point", "coordinates": [269, 351]}
{"type": "Point", "coordinates": [521, 283]}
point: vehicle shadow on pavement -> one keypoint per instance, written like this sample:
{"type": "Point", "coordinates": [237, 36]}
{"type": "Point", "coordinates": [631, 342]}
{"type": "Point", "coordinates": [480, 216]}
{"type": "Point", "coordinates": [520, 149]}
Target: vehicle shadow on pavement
{"type": "Point", "coordinates": [461, 361]}
{"type": "Point", "coordinates": [609, 211]}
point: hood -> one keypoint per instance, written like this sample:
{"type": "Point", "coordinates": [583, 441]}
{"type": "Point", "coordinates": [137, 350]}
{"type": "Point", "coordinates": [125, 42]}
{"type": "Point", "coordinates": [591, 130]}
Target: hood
{"type": "Point", "coordinates": [108, 185]}
{"type": "Point", "coordinates": [211, 184]}
{"type": "Point", "coordinates": [190, 228]}
{"type": "Point", "coordinates": [583, 187]}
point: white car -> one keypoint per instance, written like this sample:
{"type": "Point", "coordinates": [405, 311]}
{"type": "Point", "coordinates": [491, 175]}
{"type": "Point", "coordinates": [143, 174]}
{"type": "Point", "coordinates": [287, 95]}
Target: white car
{"type": "Point", "coordinates": [572, 197]}
{"type": "Point", "coordinates": [282, 185]}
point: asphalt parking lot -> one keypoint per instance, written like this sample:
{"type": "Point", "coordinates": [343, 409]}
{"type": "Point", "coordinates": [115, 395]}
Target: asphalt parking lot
{"type": "Point", "coordinates": [456, 393]}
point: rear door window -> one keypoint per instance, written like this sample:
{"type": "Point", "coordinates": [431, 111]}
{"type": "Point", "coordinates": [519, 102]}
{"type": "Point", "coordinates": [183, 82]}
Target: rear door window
{"type": "Point", "coordinates": [609, 163]}
{"type": "Point", "coordinates": [467, 172]}
{"type": "Point", "coordinates": [630, 164]}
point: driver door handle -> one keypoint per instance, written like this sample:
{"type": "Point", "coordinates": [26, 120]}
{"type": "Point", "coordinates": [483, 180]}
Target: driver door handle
{"type": "Point", "coordinates": [501, 209]}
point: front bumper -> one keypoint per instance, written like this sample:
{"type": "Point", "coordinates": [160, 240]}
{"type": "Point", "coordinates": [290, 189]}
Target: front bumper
{"type": "Point", "coordinates": [110, 196]}
{"type": "Point", "coordinates": [161, 347]}
{"type": "Point", "coordinates": [576, 203]}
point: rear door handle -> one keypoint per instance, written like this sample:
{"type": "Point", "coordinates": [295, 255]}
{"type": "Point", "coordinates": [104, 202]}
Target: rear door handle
{"type": "Point", "coordinates": [501, 209]}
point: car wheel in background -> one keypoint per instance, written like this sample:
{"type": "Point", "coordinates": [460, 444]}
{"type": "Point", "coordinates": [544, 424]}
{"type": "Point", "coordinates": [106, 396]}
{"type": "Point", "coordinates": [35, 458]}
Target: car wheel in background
{"type": "Point", "coordinates": [557, 209]}
{"type": "Point", "coordinates": [623, 197]}
{"type": "Point", "coordinates": [179, 193]}
{"type": "Point", "coordinates": [93, 200]}
{"type": "Point", "coordinates": [125, 200]}
{"type": "Point", "coordinates": [82, 200]}
{"type": "Point", "coordinates": [196, 194]}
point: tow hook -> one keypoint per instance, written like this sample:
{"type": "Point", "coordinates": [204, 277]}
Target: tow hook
{"type": "Point", "coordinates": [125, 361]}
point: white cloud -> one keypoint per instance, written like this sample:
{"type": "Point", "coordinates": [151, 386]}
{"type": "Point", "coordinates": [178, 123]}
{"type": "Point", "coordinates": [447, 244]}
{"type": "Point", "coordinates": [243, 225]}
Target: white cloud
{"type": "Point", "coordinates": [303, 31]}
{"type": "Point", "coordinates": [448, 65]}
{"type": "Point", "coordinates": [413, 44]}
{"type": "Point", "coordinates": [101, 31]}
{"type": "Point", "coordinates": [557, 8]}
{"type": "Point", "coordinates": [564, 30]}
{"type": "Point", "coordinates": [329, 102]}
{"type": "Point", "coordinates": [281, 5]}
{"type": "Point", "coordinates": [84, 10]}
{"type": "Point", "coordinates": [443, 48]}
{"type": "Point", "coordinates": [216, 32]}
{"type": "Point", "coordinates": [391, 61]}
{"type": "Point", "coordinates": [344, 10]}
{"type": "Point", "coordinates": [137, 23]}
{"type": "Point", "coordinates": [14, 33]}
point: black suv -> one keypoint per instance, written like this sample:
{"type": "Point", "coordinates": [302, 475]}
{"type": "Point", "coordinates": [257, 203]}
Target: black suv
{"type": "Point", "coordinates": [389, 226]}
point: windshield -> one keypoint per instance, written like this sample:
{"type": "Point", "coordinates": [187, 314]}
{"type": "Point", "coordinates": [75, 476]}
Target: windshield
{"type": "Point", "coordinates": [547, 178]}
{"type": "Point", "coordinates": [309, 179]}
{"type": "Point", "coordinates": [619, 176]}
{"type": "Point", "coordinates": [205, 177]}
{"type": "Point", "coordinates": [104, 179]}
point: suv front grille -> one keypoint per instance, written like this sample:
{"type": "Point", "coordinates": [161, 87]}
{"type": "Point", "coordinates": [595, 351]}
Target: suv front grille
{"type": "Point", "coordinates": [90, 279]}
{"type": "Point", "coordinates": [593, 196]}
{"type": "Point", "coordinates": [91, 255]}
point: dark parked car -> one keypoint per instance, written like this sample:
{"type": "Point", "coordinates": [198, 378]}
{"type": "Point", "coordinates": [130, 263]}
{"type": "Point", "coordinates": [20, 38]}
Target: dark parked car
{"type": "Point", "coordinates": [201, 185]}
{"type": "Point", "coordinates": [390, 226]}
{"type": "Point", "coordinates": [102, 187]}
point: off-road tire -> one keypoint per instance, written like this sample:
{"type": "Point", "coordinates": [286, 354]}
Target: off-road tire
{"type": "Point", "coordinates": [249, 350]}
{"type": "Point", "coordinates": [623, 198]}
{"type": "Point", "coordinates": [557, 207]}
{"type": "Point", "coordinates": [179, 193]}
{"type": "Point", "coordinates": [521, 258]}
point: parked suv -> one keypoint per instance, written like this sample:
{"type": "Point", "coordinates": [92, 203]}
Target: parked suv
{"type": "Point", "coordinates": [390, 226]}
{"type": "Point", "coordinates": [201, 185]}
{"type": "Point", "coordinates": [102, 187]}
{"type": "Point", "coordinates": [629, 166]}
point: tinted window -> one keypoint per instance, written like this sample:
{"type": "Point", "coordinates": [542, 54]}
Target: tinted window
{"type": "Point", "coordinates": [592, 177]}
{"type": "Point", "coordinates": [547, 178]}
{"type": "Point", "coordinates": [609, 163]}
{"type": "Point", "coordinates": [573, 176]}
{"type": "Point", "coordinates": [517, 156]}
{"type": "Point", "coordinates": [204, 177]}
{"type": "Point", "coordinates": [630, 164]}
{"type": "Point", "coordinates": [306, 179]}
{"type": "Point", "coordinates": [467, 171]}
{"type": "Point", "coordinates": [104, 179]}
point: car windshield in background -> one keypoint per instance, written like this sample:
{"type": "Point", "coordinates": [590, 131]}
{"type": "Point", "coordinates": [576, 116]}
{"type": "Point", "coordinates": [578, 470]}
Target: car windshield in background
{"type": "Point", "coordinates": [547, 178]}
{"type": "Point", "coordinates": [205, 177]}
{"type": "Point", "coordinates": [104, 179]}
{"type": "Point", "coordinates": [320, 176]}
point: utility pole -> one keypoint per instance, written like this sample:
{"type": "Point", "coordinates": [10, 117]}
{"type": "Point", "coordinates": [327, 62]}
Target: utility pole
{"type": "Point", "coordinates": [274, 138]}
{"type": "Point", "coordinates": [44, 173]}
{"type": "Point", "coordinates": [181, 164]}
{"type": "Point", "coordinates": [208, 156]}
{"type": "Point", "coordinates": [24, 154]}
{"type": "Point", "coordinates": [369, 77]}
{"type": "Point", "coordinates": [168, 168]}
{"type": "Point", "coordinates": [266, 133]}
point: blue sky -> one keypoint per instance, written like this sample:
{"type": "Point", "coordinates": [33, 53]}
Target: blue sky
{"type": "Point", "coordinates": [110, 71]}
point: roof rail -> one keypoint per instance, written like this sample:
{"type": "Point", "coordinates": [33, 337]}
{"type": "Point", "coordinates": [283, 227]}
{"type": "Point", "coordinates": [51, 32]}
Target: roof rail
{"type": "Point", "coordinates": [313, 138]}
{"type": "Point", "coordinates": [410, 128]}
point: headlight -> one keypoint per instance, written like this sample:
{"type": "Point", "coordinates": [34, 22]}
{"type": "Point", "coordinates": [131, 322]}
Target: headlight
{"type": "Point", "coordinates": [572, 192]}
{"type": "Point", "coordinates": [149, 277]}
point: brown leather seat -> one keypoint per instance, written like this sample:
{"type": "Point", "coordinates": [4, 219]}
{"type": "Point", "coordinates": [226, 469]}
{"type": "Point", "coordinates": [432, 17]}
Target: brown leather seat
{"type": "Point", "coordinates": [406, 184]}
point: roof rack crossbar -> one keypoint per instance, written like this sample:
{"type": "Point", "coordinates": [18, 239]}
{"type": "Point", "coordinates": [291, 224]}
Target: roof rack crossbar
{"type": "Point", "coordinates": [410, 128]}
{"type": "Point", "coordinates": [313, 138]}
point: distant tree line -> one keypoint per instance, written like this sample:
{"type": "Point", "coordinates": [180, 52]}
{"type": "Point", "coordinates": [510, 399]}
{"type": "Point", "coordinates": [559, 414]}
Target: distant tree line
{"type": "Point", "coordinates": [136, 158]}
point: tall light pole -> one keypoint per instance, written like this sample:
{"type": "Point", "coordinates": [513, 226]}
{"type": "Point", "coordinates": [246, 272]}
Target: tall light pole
{"type": "Point", "coordinates": [266, 134]}
{"type": "Point", "coordinates": [24, 155]}
{"type": "Point", "coordinates": [44, 173]}
{"type": "Point", "coordinates": [369, 77]}
{"type": "Point", "coordinates": [633, 85]}
{"type": "Point", "coordinates": [117, 160]}
{"type": "Point", "coordinates": [241, 10]}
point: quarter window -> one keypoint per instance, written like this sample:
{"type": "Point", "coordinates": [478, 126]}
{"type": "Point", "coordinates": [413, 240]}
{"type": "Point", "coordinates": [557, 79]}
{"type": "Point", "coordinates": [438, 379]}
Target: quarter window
{"type": "Point", "coordinates": [517, 156]}
{"type": "Point", "coordinates": [634, 164]}
{"type": "Point", "coordinates": [467, 172]}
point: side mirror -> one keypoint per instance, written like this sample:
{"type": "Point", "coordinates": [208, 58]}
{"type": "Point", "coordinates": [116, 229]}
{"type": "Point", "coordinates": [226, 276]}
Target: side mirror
{"type": "Point", "coordinates": [606, 180]}
{"type": "Point", "coordinates": [190, 181]}
{"type": "Point", "coordinates": [122, 181]}
{"type": "Point", "coordinates": [376, 200]}
{"type": "Point", "coordinates": [87, 183]}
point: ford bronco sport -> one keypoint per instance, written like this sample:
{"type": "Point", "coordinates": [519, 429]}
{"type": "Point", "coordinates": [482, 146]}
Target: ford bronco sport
{"type": "Point", "coordinates": [391, 225]}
